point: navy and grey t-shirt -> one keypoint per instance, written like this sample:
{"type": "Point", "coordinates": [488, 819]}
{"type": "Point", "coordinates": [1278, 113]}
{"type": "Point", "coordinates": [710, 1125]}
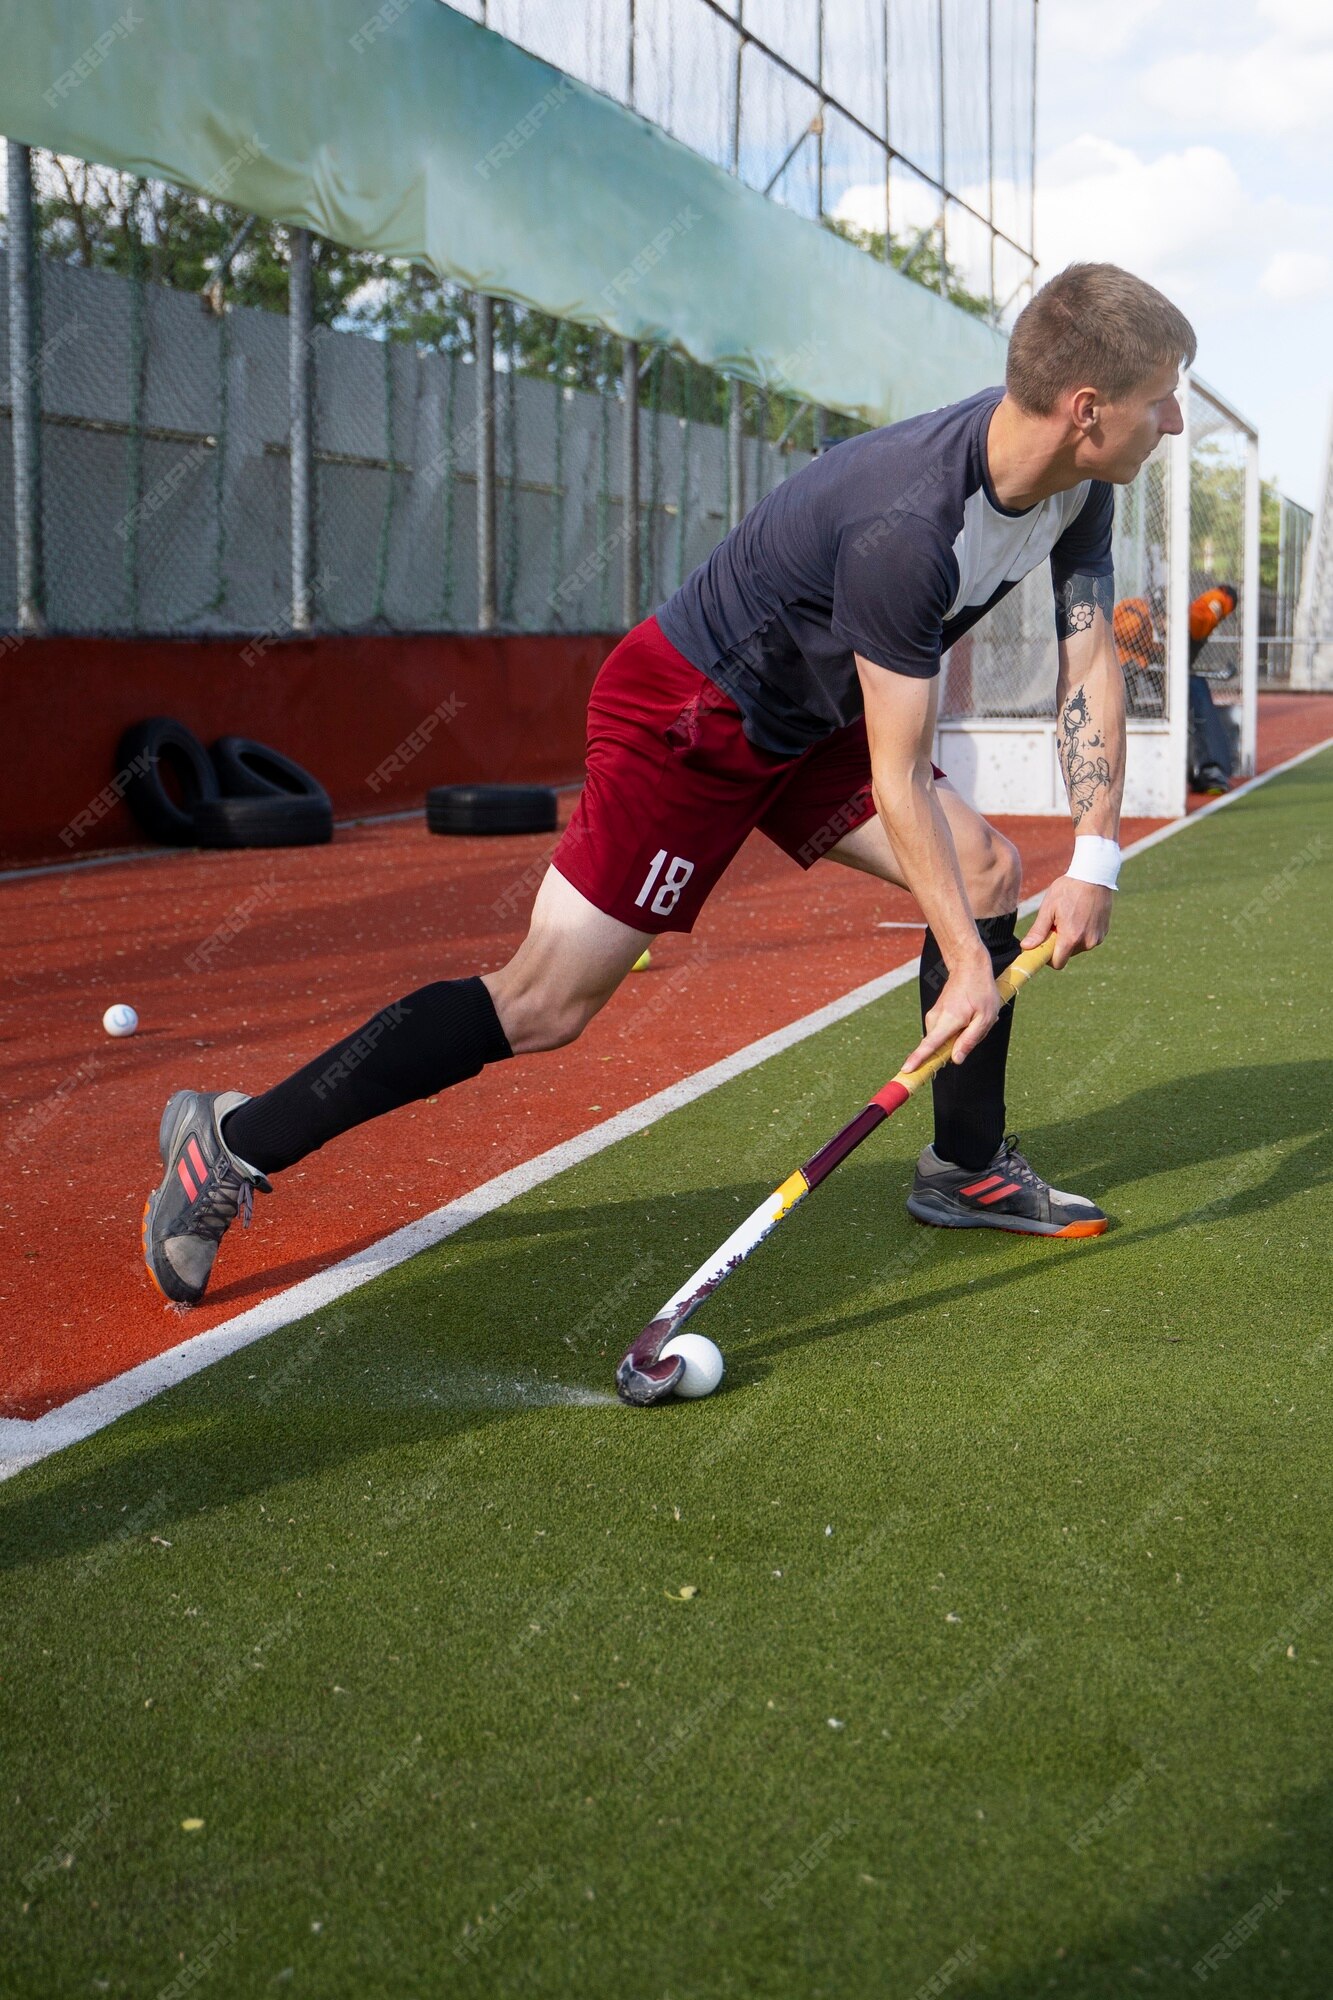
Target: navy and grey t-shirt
{"type": "Point", "coordinates": [891, 545]}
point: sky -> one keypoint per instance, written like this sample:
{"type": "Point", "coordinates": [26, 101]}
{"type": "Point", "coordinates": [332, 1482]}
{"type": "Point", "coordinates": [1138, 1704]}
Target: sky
{"type": "Point", "coordinates": [1192, 141]}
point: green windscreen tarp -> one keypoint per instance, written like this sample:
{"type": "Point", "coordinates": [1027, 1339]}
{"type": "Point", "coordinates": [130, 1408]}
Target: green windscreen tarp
{"type": "Point", "coordinates": [414, 133]}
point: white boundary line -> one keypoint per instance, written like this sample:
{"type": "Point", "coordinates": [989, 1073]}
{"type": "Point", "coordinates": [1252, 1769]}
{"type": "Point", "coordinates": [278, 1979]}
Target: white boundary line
{"type": "Point", "coordinates": [26, 1442]}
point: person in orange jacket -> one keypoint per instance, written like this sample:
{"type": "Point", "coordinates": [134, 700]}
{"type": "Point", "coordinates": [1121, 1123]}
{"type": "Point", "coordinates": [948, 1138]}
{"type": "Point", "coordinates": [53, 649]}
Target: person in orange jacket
{"type": "Point", "coordinates": [1210, 739]}
{"type": "Point", "coordinates": [1141, 654]}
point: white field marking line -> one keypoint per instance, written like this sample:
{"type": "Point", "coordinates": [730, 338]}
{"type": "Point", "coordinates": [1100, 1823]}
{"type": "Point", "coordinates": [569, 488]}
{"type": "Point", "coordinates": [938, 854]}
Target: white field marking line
{"type": "Point", "coordinates": [25, 1442]}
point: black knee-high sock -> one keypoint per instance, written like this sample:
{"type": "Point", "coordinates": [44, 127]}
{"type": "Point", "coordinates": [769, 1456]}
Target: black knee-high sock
{"type": "Point", "coordinates": [419, 1045]}
{"type": "Point", "coordinates": [969, 1096]}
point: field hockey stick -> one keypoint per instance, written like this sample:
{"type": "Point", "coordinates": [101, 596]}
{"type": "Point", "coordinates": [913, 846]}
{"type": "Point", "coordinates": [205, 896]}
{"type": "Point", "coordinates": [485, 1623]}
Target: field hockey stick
{"type": "Point", "coordinates": [643, 1375]}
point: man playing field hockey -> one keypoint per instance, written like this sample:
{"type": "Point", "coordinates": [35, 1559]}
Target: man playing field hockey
{"type": "Point", "coordinates": [791, 684]}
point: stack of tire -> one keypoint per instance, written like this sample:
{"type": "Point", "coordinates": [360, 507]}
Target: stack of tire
{"type": "Point", "coordinates": [237, 794]}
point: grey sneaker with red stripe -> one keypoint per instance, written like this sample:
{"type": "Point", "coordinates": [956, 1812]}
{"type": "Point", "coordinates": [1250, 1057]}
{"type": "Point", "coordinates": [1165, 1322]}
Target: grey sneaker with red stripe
{"type": "Point", "coordinates": [204, 1187]}
{"type": "Point", "coordinates": [1007, 1194]}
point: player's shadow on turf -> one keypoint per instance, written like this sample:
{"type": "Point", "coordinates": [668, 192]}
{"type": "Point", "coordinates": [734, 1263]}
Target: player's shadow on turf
{"type": "Point", "coordinates": [132, 1510]}
{"type": "Point", "coordinates": [210, 1461]}
{"type": "Point", "coordinates": [1263, 1922]}
{"type": "Point", "coordinates": [1229, 1117]}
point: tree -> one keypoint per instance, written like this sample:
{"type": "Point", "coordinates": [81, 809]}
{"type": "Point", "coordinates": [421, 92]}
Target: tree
{"type": "Point", "coordinates": [105, 220]}
{"type": "Point", "coordinates": [919, 258]}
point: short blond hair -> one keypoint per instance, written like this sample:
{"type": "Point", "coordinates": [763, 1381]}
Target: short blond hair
{"type": "Point", "coordinates": [1093, 326]}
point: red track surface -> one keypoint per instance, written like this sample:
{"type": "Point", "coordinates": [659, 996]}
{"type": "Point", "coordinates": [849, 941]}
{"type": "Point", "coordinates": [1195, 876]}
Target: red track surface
{"type": "Point", "coordinates": [335, 934]}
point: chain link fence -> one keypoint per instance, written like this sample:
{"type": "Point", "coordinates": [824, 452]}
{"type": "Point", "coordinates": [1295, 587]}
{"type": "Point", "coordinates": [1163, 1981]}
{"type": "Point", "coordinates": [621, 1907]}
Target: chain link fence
{"type": "Point", "coordinates": [163, 463]}
{"type": "Point", "coordinates": [907, 124]}
{"type": "Point", "coordinates": [1285, 540]}
{"type": "Point", "coordinates": [1006, 667]}
{"type": "Point", "coordinates": [1218, 450]}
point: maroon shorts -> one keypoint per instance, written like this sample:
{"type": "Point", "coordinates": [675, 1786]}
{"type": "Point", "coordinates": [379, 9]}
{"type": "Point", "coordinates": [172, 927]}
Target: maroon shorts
{"type": "Point", "coordinates": [674, 786]}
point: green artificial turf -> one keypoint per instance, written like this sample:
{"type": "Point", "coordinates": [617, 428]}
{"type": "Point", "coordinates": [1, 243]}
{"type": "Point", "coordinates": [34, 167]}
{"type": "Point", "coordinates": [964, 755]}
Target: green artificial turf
{"type": "Point", "coordinates": [1009, 1667]}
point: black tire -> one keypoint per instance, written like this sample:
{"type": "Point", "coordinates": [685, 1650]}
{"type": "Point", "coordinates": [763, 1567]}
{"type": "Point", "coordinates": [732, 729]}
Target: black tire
{"type": "Point", "coordinates": [491, 809]}
{"type": "Point", "coordinates": [250, 770]}
{"type": "Point", "coordinates": [142, 751]}
{"type": "Point", "coordinates": [267, 822]}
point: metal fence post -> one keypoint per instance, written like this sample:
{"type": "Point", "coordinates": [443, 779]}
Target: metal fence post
{"type": "Point", "coordinates": [484, 345]}
{"type": "Point", "coordinates": [1178, 610]}
{"type": "Point", "coordinates": [735, 454]}
{"type": "Point", "coordinates": [1249, 612]}
{"type": "Point", "coordinates": [24, 371]}
{"type": "Point", "coordinates": [630, 375]}
{"type": "Point", "coordinates": [300, 318]}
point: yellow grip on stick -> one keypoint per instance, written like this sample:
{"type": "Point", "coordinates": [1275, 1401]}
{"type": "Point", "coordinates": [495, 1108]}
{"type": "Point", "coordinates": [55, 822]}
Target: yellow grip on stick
{"type": "Point", "coordinates": [1007, 985]}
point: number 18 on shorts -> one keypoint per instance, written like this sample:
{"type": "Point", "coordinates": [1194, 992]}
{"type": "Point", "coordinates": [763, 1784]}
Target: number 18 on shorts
{"type": "Point", "coordinates": [664, 886]}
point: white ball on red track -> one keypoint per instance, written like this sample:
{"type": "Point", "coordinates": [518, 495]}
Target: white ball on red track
{"type": "Point", "coordinates": [120, 1020]}
{"type": "Point", "coordinates": [704, 1365]}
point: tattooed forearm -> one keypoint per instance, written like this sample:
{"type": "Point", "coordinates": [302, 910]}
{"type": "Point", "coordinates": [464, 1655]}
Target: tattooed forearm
{"type": "Point", "coordinates": [1077, 598]}
{"type": "Point", "coordinates": [1087, 774]}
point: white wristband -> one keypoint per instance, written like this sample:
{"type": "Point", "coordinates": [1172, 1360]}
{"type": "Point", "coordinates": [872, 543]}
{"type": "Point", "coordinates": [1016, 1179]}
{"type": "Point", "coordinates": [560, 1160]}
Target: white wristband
{"type": "Point", "coordinates": [1095, 860]}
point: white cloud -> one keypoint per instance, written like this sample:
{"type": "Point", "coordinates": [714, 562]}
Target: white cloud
{"type": "Point", "coordinates": [1185, 220]}
{"type": "Point", "coordinates": [1295, 277]}
{"type": "Point", "coordinates": [1277, 88]}
{"type": "Point", "coordinates": [1089, 28]}
{"type": "Point", "coordinates": [1171, 219]}
{"type": "Point", "coordinates": [1302, 20]}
